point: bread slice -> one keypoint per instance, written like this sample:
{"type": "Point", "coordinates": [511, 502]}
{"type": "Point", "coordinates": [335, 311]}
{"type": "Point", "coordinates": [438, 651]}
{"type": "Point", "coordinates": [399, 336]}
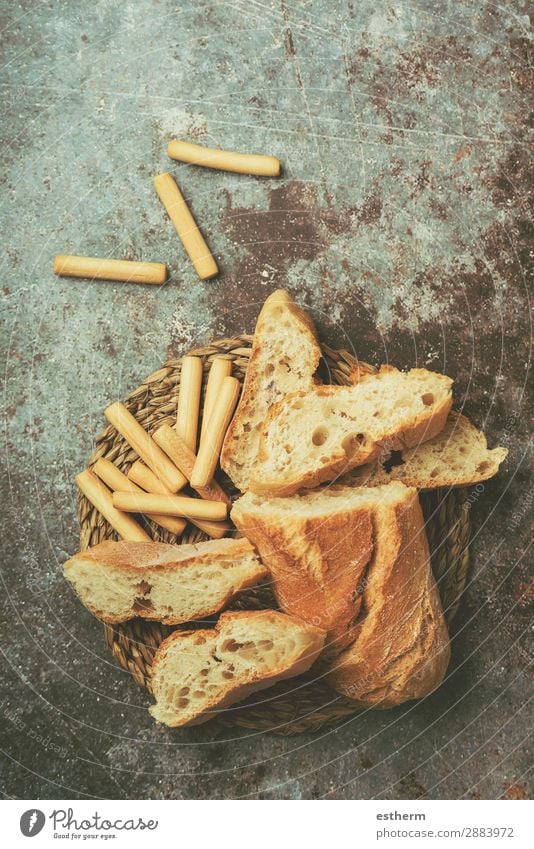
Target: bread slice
{"type": "Point", "coordinates": [457, 456]}
{"type": "Point", "coordinates": [318, 547]}
{"type": "Point", "coordinates": [310, 438]}
{"type": "Point", "coordinates": [401, 645]}
{"type": "Point", "coordinates": [196, 673]}
{"type": "Point", "coordinates": [285, 355]}
{"type": "Point", "coordinates": [170, 583]}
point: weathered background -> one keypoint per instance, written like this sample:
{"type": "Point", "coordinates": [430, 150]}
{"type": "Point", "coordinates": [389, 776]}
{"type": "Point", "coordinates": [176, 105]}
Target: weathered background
{"type": "Point", "coordinates": [401, 221]}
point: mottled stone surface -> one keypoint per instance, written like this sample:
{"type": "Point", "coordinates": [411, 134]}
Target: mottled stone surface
{"type": "Point", "coordinates": [402, 220]}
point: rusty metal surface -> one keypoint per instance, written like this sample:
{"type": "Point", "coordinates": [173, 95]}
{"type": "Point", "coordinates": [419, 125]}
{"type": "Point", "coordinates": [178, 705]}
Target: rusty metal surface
{"type": "Point", "coordinates": [402, 220]}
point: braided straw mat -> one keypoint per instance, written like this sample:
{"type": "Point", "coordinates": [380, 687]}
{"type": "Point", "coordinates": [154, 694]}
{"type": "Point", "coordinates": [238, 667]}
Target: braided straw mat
{"type": "Point", "coordinates": [304, 704]}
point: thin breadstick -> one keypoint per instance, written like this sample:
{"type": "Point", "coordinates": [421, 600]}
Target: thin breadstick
{"type": "Point", "coordinates": [101, 498]}
{"type": "Point", "coordinates": [142, 475]}
{"type": "Point", "coordinates": [170, 505]}
{"type": "Point", "coordinates": [185, 225]}
{"type": "Point", "coordinates": [144, 445]}
{"type": "Point", "coordinates": [220, 368]}
{"type": "Point", "coordinates": [210, 446]}
{"type": "Point", "coordinates": [182, 457]}
{"type": "Point", "coordinates": [189, 401]}
{"type": "Point", "coordinates": [117, 481]}
{"type": "Point", "coordinates": [224, 160]}
{"type": "Point", "coordinates": [110, 269]}
{"type": "Point", "coordinates": [146, 479]}
{"type": "Point", "coordinates": [216, 530]}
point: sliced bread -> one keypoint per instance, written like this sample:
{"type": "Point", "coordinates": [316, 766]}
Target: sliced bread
{"type": "Point", "coordinates": [318, 547]}
{"type": "Point", "coordinates": [458, 456]}
{"type": "Point", "coordinates": [312, 437]}
{"type": "Point", "coordinates": [196, 673]}
{"type": "Point", "coordinates": [170, 583]}
{"type": "Point", "coordinates": [285, 355]}
{"type": "Point", "coordinates": [401, 646]}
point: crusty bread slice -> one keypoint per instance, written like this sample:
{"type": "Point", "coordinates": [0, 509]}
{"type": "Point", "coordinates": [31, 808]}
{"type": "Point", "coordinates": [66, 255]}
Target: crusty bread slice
{"type": "Point", "coordinates": [318, 546]}
{"type": "Point", "coordinates": [310, 438]}
{"type": "Point", "coordinates": [198, 672]}
{"type": "Point", "coordinates": [284, 357]}
{"type": "Point", "coordinates": [457, 456]}
{"type": "Point", "coordinates": [401, 646]}
{"type": "Point", "coordinates": [170, 583]}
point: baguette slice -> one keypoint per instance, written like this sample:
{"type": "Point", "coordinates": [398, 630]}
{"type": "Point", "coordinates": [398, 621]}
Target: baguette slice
{"type": "Point", "coordinates": [196, 673]}
{"type": "Point", "coordinates": [318, 547]}
{"type": "Point", "coordinates": [170, 583]}
{"type": "Point", "coordinates": [458, 456]}
{"type": "Point", "coordinates": [310, 438]}
{"type": "Point", "coordinates": [401, 647]}
{"type": "Point", "coordinates": [285, 355]}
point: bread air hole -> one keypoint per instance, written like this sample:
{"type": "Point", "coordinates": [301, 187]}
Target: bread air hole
{"type": "Point", "coordinates": [182, 703]}
{"type": "Point", "coordinates": [319, 435]}
{"type": "Point", "coordinates": [395, 459]}
{"type": "Point", "coordinates": [268, 370]}
{"type": "Point", "coordinates": [142, 604]}
{"type": "Point", "coordinates": [232, 645]}
{"type": "Point", "coordinates": [427, 399]}
{"type": "Point", "coordinates": [352, 443]}
{"type": "Point", "coordinates": [143, 588]}
{"type": "Point", "coordinates": [483, 467]}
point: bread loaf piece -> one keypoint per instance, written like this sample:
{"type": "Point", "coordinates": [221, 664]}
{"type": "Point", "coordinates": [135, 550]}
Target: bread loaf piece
{"type": "Point", "coordinates": [196, 673]}
{"type": "Point", "coordinates": [285, 354]}
{"type": "Point", "coordinates": [170, 583]}
{"type": "Point", "coordinates": [310, 438]}
{"type": "Point", "coordinates": [401, 645]}
{"type": "Point", "coordinates": [318, 547]}
{"type": "Point", "coordinates": [457, 456]}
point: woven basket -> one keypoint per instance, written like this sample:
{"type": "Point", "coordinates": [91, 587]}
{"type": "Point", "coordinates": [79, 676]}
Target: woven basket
{"type": "Point", "coordinates": [303, 704]}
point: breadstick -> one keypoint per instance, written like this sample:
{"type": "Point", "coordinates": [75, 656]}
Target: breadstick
{"type": "Point", "coordinates": [146, 479]}
{"type": "Point", "coordinates": [210, 446]}
{"type": "Point", "coordinates": [216, 530]}
{"type": "Point", "coordinates": [145, 446]}
{"type": "Point", "coordinates": [185, 225]}
{"type": "Point", "coordinates": [182, 456]}
{"type": "Point", "coordinates": [224, 160]}
{"type": "Point", "coordinates": [220, 368]}
{"type": "Point", "coordinates": [101, 498]}
{"type": "Point", "coordinates": [170, 505]}
{"type": "Point", "coordinates": [110, 269]}
{"type": "Point", "coordinates": [142, 475]}
{"type": "Point", "coordinates": [189, 401]}
{"type": "Point", "coordinates": [115, 479]}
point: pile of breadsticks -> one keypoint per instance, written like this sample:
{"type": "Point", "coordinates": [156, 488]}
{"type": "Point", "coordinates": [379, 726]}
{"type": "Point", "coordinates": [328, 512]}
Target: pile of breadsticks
{"type": "Point", "coordinates": [180, 215]}
{"type": "Point", "coordinates": [170, 459]}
